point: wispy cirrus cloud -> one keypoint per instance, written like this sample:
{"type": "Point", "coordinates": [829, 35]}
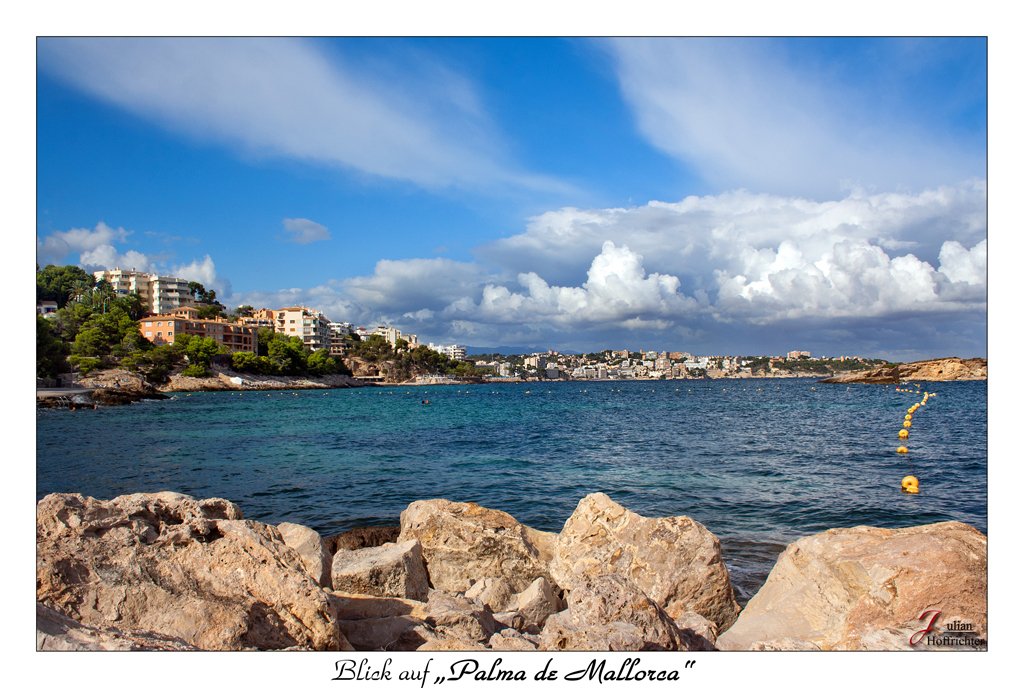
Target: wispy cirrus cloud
{"type": "Point", "coordinates": [290, 98]}
{"type": "Point", "coordinates": [743, 116]}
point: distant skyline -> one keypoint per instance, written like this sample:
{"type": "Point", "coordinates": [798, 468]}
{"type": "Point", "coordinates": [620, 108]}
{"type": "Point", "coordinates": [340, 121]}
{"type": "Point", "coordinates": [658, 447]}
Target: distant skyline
{"type": "Point", "coordinates": [728, 196]}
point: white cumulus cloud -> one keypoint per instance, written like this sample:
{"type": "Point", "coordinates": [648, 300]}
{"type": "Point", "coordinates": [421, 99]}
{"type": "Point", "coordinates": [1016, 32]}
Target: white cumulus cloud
{"type": "Point", "coordinates": [94, 246]}
{"type": "Point", "coordinates": [617, 290]}
{"type": "Point", "coordinates": [204, 272]}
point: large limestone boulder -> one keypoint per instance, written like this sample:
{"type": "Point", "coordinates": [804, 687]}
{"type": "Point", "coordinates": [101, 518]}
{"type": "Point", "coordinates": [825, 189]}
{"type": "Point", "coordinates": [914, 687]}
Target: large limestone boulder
{"type": "Point", "coordinates": [608, 613]}
{"type": "Point", "coordinates": [168, 564]}
{"type": "Point", "coordinates": [312, 551]}
{"type": "Point", "coordinates": [464, 542]}
{"type": "Point", "coordinates": [675, 560]}
{"type": "Point", "coordinates": [866, 588]}
{"type": "Point", "coordinates": [385, 571]}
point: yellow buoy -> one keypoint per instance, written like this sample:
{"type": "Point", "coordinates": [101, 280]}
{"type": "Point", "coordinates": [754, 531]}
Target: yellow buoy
{"type": "Point", "coordinates": [906, 423]}
{"type": "Point", "coordinates": [902, 450]}
{"type": "Point", "coordinates": [908, 417]}
{"type": "Point", "coordinates": [909, 481]}
{"type": "Point", "coordinates": [904, 434]}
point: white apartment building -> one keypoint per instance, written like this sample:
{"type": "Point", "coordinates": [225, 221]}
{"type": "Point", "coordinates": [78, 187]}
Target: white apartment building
{"type": "Point", "coordinates": [456, 352]}
{"type": "Point", "coordinates": [310, 325]}
{"type": "Point", "coordinates": [160, 294]}
{"type": "Point", "coordinates": [536, 361]}
{"type": "Point", "coordinates": [391, 334]}
{"type": "Point", "coordinates": [339, 337]}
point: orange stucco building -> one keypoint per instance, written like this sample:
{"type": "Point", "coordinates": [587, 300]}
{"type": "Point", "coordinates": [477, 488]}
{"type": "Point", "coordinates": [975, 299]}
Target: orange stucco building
{"type": "Point", "coordinates": [162, 329]}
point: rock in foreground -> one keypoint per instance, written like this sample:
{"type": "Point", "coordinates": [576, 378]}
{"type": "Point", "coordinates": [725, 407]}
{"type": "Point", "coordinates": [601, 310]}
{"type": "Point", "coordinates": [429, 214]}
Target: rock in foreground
{"type": "Point", "coordinates": [865, 589]}
{"type": "Point", "coordinates": [54, 631]}
{"type": "Point", "coordinates": [674, 560]}
{"type": "Point", "coordinates": [312, 551]}
{"type": "Point", "coordinates": [609, 613]}
{"type": "Point", "coordinates": [464, 542]}
{"type": "Point", "coordinates": [185, 569]}
{"type": "Point", "coordinates": [385, 571]}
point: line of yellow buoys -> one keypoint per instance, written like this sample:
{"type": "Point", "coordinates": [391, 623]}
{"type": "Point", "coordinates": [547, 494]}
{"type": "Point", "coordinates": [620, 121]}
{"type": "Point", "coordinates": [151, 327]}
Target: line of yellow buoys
{"type": "Point", "coordinates": [910, 484]}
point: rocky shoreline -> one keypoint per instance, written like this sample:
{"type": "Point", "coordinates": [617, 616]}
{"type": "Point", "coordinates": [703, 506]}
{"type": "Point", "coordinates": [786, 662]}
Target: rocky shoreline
{"type": "Point", "coordinates": [166, 571]}
{"type": "Point", "coordinates": [934, 370]}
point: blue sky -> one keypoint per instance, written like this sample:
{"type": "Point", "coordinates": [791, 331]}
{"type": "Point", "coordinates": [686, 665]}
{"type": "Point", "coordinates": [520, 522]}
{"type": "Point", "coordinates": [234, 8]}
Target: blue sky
{"type": "Point", "coordinates": [708, 195]}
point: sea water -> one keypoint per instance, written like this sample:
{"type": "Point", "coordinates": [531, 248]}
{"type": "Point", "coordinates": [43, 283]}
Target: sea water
{"type": "Point", "coordinates": [759, 462]}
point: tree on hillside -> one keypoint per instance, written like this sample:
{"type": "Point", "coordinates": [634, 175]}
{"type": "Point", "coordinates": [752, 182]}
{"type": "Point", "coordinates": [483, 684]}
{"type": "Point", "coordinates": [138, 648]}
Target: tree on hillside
{"type": "Point", "coordinates": [57, 283]}
{"type": "Point", "coordinates": [51, 352]}
{"type": "Point", "coordinates": [199, 352]}
{"type": "Point", "coordinates": [289, 354]}
{"type": "Point", "coordinates": [210, 312]}
{"type": "Point", "coordinates": [374, 349]}
{"type": "Point", "coordinates": [202, 294]}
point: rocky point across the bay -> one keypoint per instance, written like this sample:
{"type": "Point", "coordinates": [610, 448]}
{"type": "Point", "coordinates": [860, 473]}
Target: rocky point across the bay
{"type": "Point", "coordinates": [166, 571]}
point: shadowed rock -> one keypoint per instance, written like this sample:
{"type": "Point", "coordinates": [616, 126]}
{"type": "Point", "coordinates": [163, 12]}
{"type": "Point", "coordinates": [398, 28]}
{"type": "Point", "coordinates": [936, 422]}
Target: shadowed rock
{"type": "Point", "coordinates": [610, 613]}
{"type": "Point", "coordinates": [358, 538]}
{"type": "Point", "coordinates": [456, 616]}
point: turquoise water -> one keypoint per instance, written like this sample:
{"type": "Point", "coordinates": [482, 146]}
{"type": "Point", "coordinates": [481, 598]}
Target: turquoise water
{"type": "Point", "coordinates": [759, 462]}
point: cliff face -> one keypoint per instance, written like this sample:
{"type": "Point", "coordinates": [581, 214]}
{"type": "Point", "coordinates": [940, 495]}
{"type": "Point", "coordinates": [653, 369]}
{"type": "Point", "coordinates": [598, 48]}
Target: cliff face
{"type": "Point", "coordinates": [945, 369]}
{"type": "Point", "coordinates": [935, 370]}
{"type": "Point", "coordinates": [875, 376]}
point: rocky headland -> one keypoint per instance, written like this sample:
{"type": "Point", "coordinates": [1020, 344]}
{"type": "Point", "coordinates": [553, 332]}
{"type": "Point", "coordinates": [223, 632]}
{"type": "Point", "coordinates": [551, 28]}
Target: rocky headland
{"type": "Point", "coordinates": [935, 370]}
{"type": "Point", "coordinates": [117, 387]}
{"type": "Point", "coordinates": [167, 571]}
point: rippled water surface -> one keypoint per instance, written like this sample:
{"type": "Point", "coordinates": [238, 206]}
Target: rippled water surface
{"type": "Point", "coordinates": [759, 462]}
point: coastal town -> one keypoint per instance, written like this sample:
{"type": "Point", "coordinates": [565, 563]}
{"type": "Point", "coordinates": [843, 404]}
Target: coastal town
{"type": "Point", "coordinates": [175, 309]}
